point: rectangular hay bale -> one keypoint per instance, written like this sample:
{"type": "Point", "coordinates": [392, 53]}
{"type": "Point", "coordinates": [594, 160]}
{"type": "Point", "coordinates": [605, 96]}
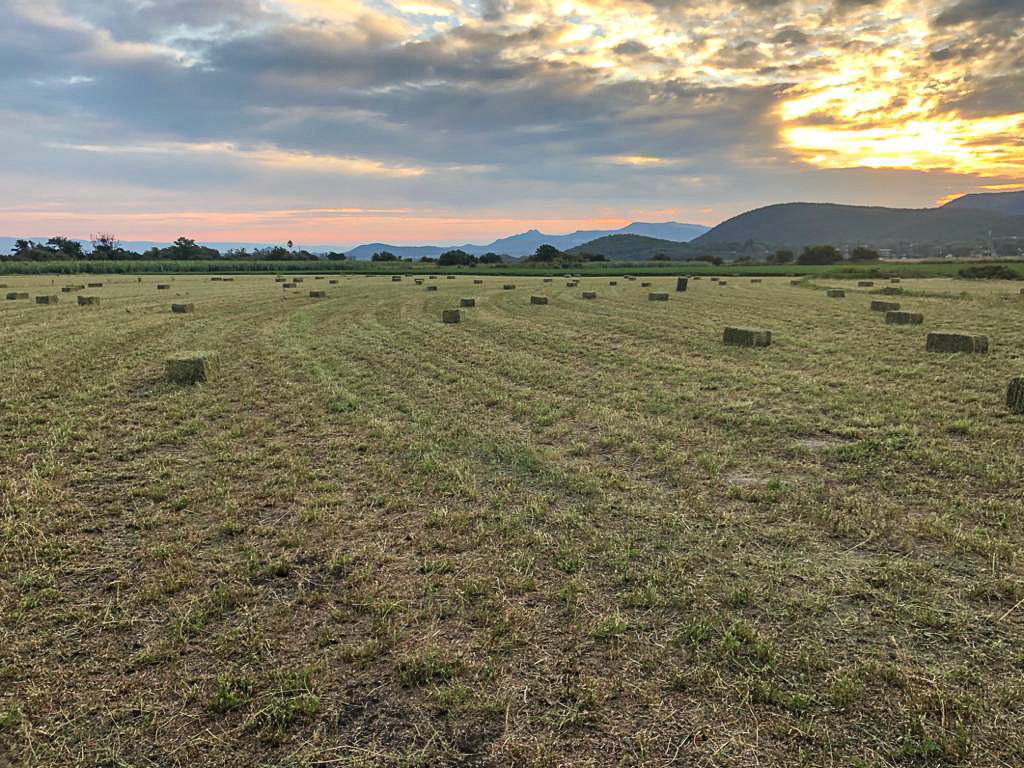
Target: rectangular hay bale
{"type": "Point", "coordinates": [46, 299]}
{"type": "Point", "coordinates": [590, 294]}
{"type": "Point", "coordinates": [836, 293]}
{"type": "Point", "coordinates": [190, 367]}
{"type": "Point", "coordinates": [451, 316]}
{"type": "Point", "coordinates": [1015, 395]}
{"type": "Point", "coordinates": [538, 299]}
{"type": "Point", "coordinates": [657, 297]}
{"type": "Point", "coordinates": [88, 301]}
{"type": "Point", "coordinates": [946, 341]}
{"type": "Point", "coordinates": [16, 295]}
{"type": "Point", "coordinates": [681, 283]}
{"type": "Point", "coordinates": [467, 302]}
{"type": "Point", "coordinates": [318, 294]}
{"type": "Point", "coordinates": [746, 337]}
{"type": "Point", "coordinates": [183, 309]}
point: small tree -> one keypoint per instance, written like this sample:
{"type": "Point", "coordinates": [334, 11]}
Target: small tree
{"type": "Point", "coordinates": [861, 253]}
{"type": "Point", "coordinates": [67, 247]}
{"type": "Point", "coordinates": [383, 256]}
{"type": "Point", "coordinates": [22, 247]}
{"type": "Point", "coordinates": [104, 245]}
{"type": "Point", "coordinates": [456, 258]}
{"type": "Point", "coordinates": [781, 256]}
{"type": "Point", "coordinates": [491, 258]}
{"type": "Point", "coordinates": [820, 254]}
{"type": "Point", "coordinates": [546, 253]}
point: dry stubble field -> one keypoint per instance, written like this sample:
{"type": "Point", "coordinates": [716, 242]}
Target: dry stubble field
{"type": "Point", "coordinates": [580, 534]}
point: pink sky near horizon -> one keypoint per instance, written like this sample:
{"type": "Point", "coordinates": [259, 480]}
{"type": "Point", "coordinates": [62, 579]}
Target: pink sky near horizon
{"type": "Point", "coordinates": [313, 227]}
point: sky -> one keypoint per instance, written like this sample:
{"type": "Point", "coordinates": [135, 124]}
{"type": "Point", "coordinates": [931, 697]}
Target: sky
{"type": "Point", "coordinates": [448, 121]}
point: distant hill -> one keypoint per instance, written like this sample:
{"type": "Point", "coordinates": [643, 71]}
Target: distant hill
{"type": "Point", "coordinates": [1011, 203]}
{"type": "Point", "coordinates": [526, 243]}
{"type": "Point", "coordinates": [795, 225]}
{"type": "Point", "coordinates": [635, 247]}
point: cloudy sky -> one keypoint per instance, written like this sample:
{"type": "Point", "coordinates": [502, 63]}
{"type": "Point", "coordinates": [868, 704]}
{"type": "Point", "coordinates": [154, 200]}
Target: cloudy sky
{"type": "Point", "coordinates": [345, 121]}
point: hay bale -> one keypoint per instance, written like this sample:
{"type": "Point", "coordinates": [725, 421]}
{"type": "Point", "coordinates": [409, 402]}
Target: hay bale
{"type": "Point", "coordinates": [95, 285]}
{"type": "Point", "coordinates": [1015, 395]}
{"type": "Point", "coordinates": [746, 337]}
{"type": "Point", "coordinates": [723, 282]}
{"type": "Point", "coordinates": [657, 297]}
{"type": "Point", "coordinates": [681, 283]}
{"type": "Point", "coordinates": [47, 299]}
{"type": "Point", "coordinates": [190, 367]}
{"type": "Point", "coordinates": [572, 283]}
{"type": "Point", "coordinates": [645, 285]}
{"type": "Point", "coordinates": [431, 287]}
{"type": "Point", "coordinates": [714, 279]}
{"type": "Point", "coordinates": [88, 301]}
{"type": "Point", "coordinates": [418, 280]}
{"type": "Point", "coordinates": [865, 283]}
{"type": "Point", "coordinates": [538, 299]}
{"type": "Point", "coordinates": [467, 302]}
{"type": "Point", "coordinates": [431, 277]}
{"type": "Point", "coordinates": [478, 282]}
{"type": "Point", "coordinates": [904, 318]}
{"type": "Point", "coordinates": [547, 279]}
{"type": "Point", "coordinates": [396, 278]}
{"type": "Point", "coordinates": [216, 279]}
{"type": "Point", "coordinates": [946, 341]}
{"type": "Point", "coordinates": [16, 295]}
{"type": "Point", "coordinates": [590, 294]}
{"type": "Point", "coordinates": [280, 280]}
{"type": "Point", "coordinates": [319, 277]}
{"type": "Point", "coordinates": [695, 277]}
{"type": "Point", "coordinates": [451, 316]}
{"type": "Point", "coordinates": [613, 282]}
{"type": "Point", "coordinates": [288, 285]}
{"type": "Point", "coordinates": [229, 279]}
{"type": "Point", "coordinates": [70, 288]}
{"type": "Point", "coordinates": [296, 279]}
{"type": "Point", "coordinates": [332, 282]}
{"type": "Point", "coordinates": [183, 309]}
{"type": "Point", "coordinates": [755, 279]}
{"type": "Point", "coordinates": [795, 282]}
{"type": "Point", "coordinates": [884, 306]}
{"type": "Point", "coordinates": [894, 280]}
{"type": "Point", "coordinates": [891, 290]}
{"type": "Point", "coordinates": [318, 294]}
{"type": "Point", "coordinates": [508, 287]}
{"type": "Point", "coordinates": [163, 287]}
{"type": "Point", "coordinates": [450, 277]}
{"type": "Point", "coordinates": [836, 293]}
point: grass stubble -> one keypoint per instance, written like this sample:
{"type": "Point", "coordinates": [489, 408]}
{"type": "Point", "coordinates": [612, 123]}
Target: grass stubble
{"type": "Point", "coordinates": [587, 536]}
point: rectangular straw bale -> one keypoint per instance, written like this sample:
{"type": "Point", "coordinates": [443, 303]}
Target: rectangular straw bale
{"type": "Point", "coordinates": [947, 341]}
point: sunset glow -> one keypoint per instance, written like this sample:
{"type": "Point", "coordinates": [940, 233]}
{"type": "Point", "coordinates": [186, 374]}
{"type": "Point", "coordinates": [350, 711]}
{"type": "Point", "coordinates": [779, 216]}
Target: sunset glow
{"type": "Point", "coordinates": [493, 114]}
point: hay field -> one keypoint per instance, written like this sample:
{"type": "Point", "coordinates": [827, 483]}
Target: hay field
{"type": "Point", "coordinates": [579, 534]}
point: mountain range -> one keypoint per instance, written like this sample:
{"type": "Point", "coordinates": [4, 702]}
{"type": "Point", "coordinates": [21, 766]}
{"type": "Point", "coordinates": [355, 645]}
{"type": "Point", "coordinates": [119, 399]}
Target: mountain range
{"type": "Point", "coordinates": [971, 219]}
{"type": "Point", "coordinates": [527, 242]}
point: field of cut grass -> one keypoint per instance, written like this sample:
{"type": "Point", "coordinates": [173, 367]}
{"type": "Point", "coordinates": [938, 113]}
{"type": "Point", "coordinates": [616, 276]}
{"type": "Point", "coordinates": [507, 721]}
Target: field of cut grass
{"type": "Point", "coordinates": [579, 534]}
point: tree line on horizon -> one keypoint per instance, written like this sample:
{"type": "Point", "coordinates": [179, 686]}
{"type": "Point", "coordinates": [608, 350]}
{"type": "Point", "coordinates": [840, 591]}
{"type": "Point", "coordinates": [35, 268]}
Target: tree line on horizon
{"type": "Point", "coordinates": [107, 247]}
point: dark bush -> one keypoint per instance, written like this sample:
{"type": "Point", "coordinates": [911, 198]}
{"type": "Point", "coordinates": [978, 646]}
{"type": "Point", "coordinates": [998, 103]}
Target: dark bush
{"type": "Point", "coordinates": [989, 272]}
